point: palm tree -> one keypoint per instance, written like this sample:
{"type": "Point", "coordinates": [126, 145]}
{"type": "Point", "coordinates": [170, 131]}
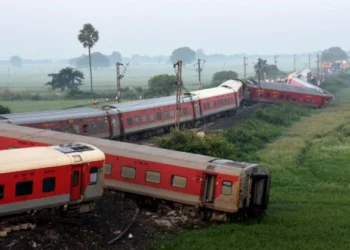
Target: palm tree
{"type": "Point", "coordinates": [88, 36]}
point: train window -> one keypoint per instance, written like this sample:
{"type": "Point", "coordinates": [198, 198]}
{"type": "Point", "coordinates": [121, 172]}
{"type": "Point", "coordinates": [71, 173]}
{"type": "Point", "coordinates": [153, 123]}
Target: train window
{"type": "Point", "coordinates": [93, 127]}
{"type": "Point", "coordinates": [101, 126]}
{"type": "Point", "coordinates": [24, 188]}
{"type": "Point", "coordinates": [287, 97]}
{"type": "Point", "coordinates": [58, 129]}
{"type": "Point", "coordinates": [159, 116]}
{"type": "Point", "coordinates": [294, 99]}
{"type": "Point", "coordinates": [274, 96]}
{"type": "Point", "coordinates": [93, 175]}
{"type": "Point", "coordinates": [75, 178]}
{"type": "Point", "coordinates": [261, 93]}
{"type": "Point", "coordinates": [226, 188]}
{"type": "Point", "coordinates": [129, 121]}
{"type": "Point", "coordinates": [281, 97]}
{"type": "Point", "coordinates": [300, 99]}
{"type": "Point", "coordinates": [10, 147]}
{"type": "Point", "coordinates": [178, 181]}
{"type": "Point", "coordinates": [108, 168]}
{"type": "Point", "coordinates": [231, 100]}
{"type": "Point", "coordinates": [85, 128]}
{"type": "Point", "coordinates": [137, 119]}
{"type": "Point", "coordinates": [2, 191]}
{"type": "Point", "coordinates": [49, 184]}
{"type": "Point", "coordinates": [68, 130]}
{"type": "Point", "coordinates": [144, 118]}
{"type": "Point", "coordinates": [128, 172]}
{"type": "Point", "coordinates": [172, 113]}
{"type": "Point", "coordinates": [153, 177]}
{"type": "Point", "coordinates": [165, 114]}
{"type": "Point", "coordinates": [211, 105]}
{"type": "Point", "coordinates": [184, 110]}
{"type": "Point", "coordinates": [76, 129]}
{"type": "Point", "coordinates": [267, 95]}
{"type": "Point", "coordinates": [313, 100]}
{"type": "Point", "coordinates": [306, 99]}
{"type": "Point", "coordinates": [225, 101]}
{"type": "Point", "coordinates": [220, 102]}
{"type": "Point", "coordinates": [151, 117]}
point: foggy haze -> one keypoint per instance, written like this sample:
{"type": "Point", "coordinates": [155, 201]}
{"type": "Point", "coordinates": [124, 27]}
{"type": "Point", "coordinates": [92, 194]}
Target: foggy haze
{"type": "Point", "coordinates": [40, 29]}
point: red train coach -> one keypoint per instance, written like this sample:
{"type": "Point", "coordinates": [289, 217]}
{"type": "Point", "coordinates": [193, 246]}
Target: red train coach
{"type": "Point", "coordinates": [66, 179]}
{"type": "Point", "coordinates": [218, 188]}
{"type": "Point", "coordinates": [135, 119]}
{"type": "Point", "coordinates": [282, 93]}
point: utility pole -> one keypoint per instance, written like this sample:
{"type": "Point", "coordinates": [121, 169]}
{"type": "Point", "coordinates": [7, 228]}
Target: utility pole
{"type": "Point", "coordinates": [318, 69]}
{"type": "Point", "coordinates": [178, 94]}
{"type": "Point", "coordinates": [295, 59]}
{"type": "Point", "coordinates": [310, 61]}
{"type": "Point", "coordinates": [259, 79]}
{"type": "Point", "coordinates": [245, 68]}
{"type": "Point", "coordinates": [275, 58]}
{"type": "Point", "coordinates": [199, 72]}
{"type": "Point", "coordinates": [119, 77]}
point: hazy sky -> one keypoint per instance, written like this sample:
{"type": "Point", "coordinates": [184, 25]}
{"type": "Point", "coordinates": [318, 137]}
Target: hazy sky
{"type": "Point", "coordinates": [40, 29]}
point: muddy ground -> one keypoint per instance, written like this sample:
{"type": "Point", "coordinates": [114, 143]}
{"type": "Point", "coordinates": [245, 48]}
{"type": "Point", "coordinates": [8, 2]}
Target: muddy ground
{"type": "Point", "coordinates": [94, 230]}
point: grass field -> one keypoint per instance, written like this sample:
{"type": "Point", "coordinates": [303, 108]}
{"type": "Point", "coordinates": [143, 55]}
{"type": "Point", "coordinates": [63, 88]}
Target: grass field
{"type": "Point", "coordinates": [31, 80]}
{"type": "Point", "coordinates": [309, 199]}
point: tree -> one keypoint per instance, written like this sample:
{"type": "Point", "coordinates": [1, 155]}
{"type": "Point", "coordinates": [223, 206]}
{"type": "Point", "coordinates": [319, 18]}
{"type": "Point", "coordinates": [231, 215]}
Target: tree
{"type": "Point", "coordinates": [4, 110]}
{"type": "Point", "coordinates": [221, 76]}
{"type": "Point", "coordinates": [115, 57]}
{"type": "Point", "coordinates": [200, 54]}
{"type": "Point", "coordinates": [16, 61]}
{"type": "Point", "coordinates": [98, 60]}
{"type": "Point", "coordinates": [66, 78]}
{"type": "Point", "coordinates": [271, 70]}
{"type": "Point", "coordinates": [88, 36]}
{"type": "Point", "coordinates": [161, 85]}
{"type": "Point", "coordinates": [185, 54]}
{"type": "Point", "coordinates": [334, 54]}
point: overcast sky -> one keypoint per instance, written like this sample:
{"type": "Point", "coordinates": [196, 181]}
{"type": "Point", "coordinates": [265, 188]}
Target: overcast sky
{"type": "Point", "coordinates": [40, 29]}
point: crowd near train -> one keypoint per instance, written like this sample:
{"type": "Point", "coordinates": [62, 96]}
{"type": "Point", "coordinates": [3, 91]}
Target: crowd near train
{"type": "Point", "coordinates": [142, 118]}
{"type": "Point", "coordinates": [43, 172]}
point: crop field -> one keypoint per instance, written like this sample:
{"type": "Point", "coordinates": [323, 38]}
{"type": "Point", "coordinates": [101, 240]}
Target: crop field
{"type": "Point", "coordinates": [309, 199]}
{"type": "Point", "coordinates": [32, 79]}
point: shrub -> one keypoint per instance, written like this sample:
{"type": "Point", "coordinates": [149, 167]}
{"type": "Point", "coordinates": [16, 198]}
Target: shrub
{"type": "Point", "coordinates": [4, 110]}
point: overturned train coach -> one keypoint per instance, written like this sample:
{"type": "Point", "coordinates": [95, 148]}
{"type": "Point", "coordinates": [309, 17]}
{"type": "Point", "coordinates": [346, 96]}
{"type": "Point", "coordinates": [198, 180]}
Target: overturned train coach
{"type": "Point", "coordinates": [63, 180]}
{"type": "Point", "coordinates": [198, 185]}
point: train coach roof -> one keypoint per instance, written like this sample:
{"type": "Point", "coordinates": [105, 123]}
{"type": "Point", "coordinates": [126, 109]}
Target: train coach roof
{"type": "Point", "coordinates": [146, 103]}
{"type": "Point", "coordinates": [15, 160]}
{"type": "Point", "coordinates": [51, 116]}
{"type": "Point", "coordinates": [292, 88]}
{"type": "Point", "coordinates": [234, 84]}
{"type": "Point", "coordinates": [129, 150]}
{"type": "Point", "coordinates": [207, 93]}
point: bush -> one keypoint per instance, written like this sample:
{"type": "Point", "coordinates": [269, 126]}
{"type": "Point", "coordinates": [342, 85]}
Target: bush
{"type": "Point", "coordinates": [242, 141]}
{"type": "Point", "coordinates": [4, 110]}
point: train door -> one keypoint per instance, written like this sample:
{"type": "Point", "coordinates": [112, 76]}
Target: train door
{"type": "Point", "coordinates": [209, 188]}
{"type": "Point", "coordinates": [114, 124]}
{"type": "Point", "coordinates": [197, 109]}
{"type": "Point", "coordinates": [259, 196]}
{"type": "Point", "coordinates": [77, 182]}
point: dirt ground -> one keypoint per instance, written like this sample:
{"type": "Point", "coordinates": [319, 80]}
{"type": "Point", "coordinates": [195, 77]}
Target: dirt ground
{"type": "Point", "coordinates": [94, 230]}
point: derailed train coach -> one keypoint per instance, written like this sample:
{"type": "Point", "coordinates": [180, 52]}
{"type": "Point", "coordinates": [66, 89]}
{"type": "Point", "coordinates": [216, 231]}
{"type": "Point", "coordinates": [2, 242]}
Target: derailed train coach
{"type": "Point", "coordinates": [214, 188]}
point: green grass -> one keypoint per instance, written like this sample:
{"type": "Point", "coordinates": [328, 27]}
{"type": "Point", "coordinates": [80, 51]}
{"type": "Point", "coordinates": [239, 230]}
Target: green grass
{"type": "Point", "coordinates": [309, 202]}
{"type": "Point", "coordinates": [309, 196]}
